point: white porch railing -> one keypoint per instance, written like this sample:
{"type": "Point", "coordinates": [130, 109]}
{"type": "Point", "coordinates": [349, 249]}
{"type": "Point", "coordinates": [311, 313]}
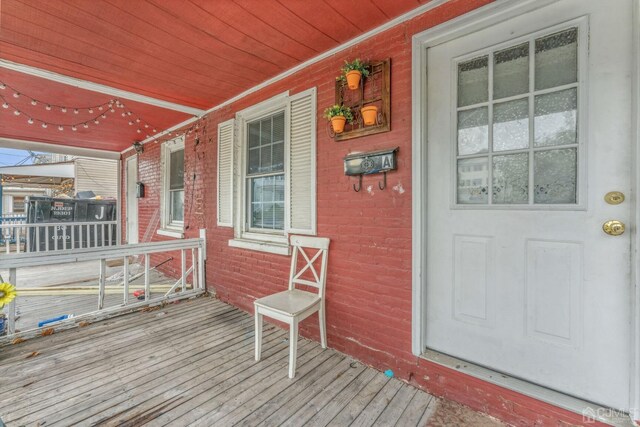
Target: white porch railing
{"type": "Point", "coordinates": [195, 247]}
{"type": "Point", "coordinates": [21, 237]}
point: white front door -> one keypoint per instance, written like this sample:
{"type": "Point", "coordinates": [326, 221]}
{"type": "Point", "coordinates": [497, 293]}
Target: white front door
{"type": "Point", "coordinates": [528, 130]}
{"type": "Point", "coordinates": [132, 200]}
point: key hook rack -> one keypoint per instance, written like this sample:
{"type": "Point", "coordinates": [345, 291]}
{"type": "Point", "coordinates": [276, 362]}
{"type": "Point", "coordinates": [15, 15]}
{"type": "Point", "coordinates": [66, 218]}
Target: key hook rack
{"type": "Point", "coordinates": [359, 164]}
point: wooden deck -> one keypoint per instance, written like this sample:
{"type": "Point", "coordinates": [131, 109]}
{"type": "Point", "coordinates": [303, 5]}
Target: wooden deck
{"type": "Point", "coordinates": [192, 364]}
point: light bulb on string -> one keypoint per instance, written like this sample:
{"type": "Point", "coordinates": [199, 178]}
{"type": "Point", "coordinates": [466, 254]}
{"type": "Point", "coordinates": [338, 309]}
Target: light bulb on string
{"type": "Point", "coordinates": [112, 110]}
{"type": "Point", "coordinates": [128, 113]}
{"type": "Point", "coordinates": [3, 86]}
{"type": "Point", "coordinates": [85, 125]}
{"type": "Point", "coordinates": [63, 109]}
{"type": "Point", "coordinates": [74, 128]}
{"type": "Point", "coordinates": [124, 114]}
{"type": "Point", "coordinates": [146, 126]}
{"type": "Point", "coordinates": [138, 120]}
{"type": "Point", "coordinates": [48, 107]}
{"type": "Point", "coordinates": [104, 116]}
{"type": "Point", "coordinates": [16, 112]}
{"type": "Point", "coordinates": [139, 131]}
{"type": "Point", "coordinates": [76, 111]}
{"type": "Point", "coordinates": [44, 125]}
{"type": "Point", "coordinates": [90, 110]}
{"type": "Point", "coordinates": [130, 123]}
{"type": "Point", "coordinates": [154, 131]}
{"type": "Point", "coordinates": [30, 121]}
{"type": "Point", "coordinates": [96, 121]}
{"type": "Point", "coordinates": [16, 94]}
{"type": "Point", "coordinates": [60, 127]}
{"type": "Point", "coordinates": [100, 108]}
{"type": "Point", "coordinates": [5, 105]}
{"type": "Point", "coordinates": [34, 102]}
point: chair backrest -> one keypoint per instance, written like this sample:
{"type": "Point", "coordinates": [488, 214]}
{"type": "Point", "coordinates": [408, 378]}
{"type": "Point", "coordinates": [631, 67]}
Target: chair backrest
{"type": "Point", "coordinates": [310, 248]}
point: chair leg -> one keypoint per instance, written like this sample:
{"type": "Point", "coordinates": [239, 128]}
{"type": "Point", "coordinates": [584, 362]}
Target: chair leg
{"type": "Point", "coordinates": [293, 347]}
{"type": "Point", "coordinates": [323, 326]}
{"type": "Point", "coordinates": [258, 334]}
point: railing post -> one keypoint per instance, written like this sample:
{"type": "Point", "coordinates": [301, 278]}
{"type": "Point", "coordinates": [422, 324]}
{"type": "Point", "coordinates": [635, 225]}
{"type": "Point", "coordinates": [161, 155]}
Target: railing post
{"type": "Point", "coordinates": [125, 284]}
{"type": "Point", "coordinates": [147, 285]}
{"type": "Point", "coordinates": [12, 304]}
{"type": "Point", "coordinates": [103, 273]}
{"type": "Point", "coordinates": [202, 256]}
{"type": "Point", "coordinates": [194, 273]}
{"type": "Point", "coordinates": [183, 260]}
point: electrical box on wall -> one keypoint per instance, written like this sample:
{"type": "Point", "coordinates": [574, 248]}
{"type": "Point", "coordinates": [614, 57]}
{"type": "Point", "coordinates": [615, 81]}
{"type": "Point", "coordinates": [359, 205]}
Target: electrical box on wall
{"type": "Point", "coordinates": [139, 190]}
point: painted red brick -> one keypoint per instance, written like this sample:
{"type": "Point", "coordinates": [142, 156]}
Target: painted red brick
{"type": "Point", "coordinates": [369, 275]}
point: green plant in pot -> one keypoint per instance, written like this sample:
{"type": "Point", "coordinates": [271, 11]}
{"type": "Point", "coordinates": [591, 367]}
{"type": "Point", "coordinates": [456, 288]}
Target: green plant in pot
{"type": "Point", "coordinates": [354, 71]}
{"type": "Point", "coordinates": [338, 115]}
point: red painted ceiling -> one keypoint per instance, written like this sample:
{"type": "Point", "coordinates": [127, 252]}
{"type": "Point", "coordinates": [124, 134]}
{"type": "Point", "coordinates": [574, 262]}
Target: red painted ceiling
{"type": "Point", "coordinates": [197, 53]}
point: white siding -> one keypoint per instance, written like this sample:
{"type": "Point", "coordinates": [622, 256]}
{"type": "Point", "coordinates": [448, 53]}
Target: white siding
{"type": "Point", "coordinates": [97, 175]}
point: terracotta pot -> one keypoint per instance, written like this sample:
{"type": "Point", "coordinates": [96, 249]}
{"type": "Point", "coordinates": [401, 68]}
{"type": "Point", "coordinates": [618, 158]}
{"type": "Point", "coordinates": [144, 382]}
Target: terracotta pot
{"type": "Point", "coordinates": [337, 123]}
{"type": "Point", "coordinates": [369, 114]}
{"type": "Point", "coordinates": [353, 79]}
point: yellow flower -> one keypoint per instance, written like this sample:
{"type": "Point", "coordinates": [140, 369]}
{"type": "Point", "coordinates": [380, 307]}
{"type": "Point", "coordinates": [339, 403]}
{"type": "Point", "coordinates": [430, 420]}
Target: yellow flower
{"type": "Point", "coordinates": [7, 293]}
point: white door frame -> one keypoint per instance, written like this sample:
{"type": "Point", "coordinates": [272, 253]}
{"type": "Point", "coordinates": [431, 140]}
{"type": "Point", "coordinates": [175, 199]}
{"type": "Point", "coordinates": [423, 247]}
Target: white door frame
{"type": "Point", "coordinates": [126, 197]}
{"type": "Point", "coordinates": [473, 21]}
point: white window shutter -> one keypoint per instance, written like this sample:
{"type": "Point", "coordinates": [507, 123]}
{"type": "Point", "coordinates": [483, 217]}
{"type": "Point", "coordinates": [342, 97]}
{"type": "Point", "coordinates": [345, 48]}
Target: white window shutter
{"type": "Point", "coordinates": [302, 163]}
{"type": "Point", "coordinates": [225, 174]}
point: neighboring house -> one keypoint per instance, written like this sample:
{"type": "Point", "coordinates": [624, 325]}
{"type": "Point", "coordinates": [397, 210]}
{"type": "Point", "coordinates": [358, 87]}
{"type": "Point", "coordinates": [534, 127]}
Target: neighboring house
{"type": "Point", "coordinates": [68, 177]}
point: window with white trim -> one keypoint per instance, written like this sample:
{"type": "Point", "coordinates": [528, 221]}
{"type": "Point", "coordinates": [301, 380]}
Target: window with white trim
{"type": "Point", "coordinates": [266, 172]}
{"type": "Point", "coordinates": [172, 203]}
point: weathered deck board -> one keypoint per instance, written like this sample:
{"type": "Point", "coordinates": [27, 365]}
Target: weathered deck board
{"type": "Point", "coordinates": [192, 364]}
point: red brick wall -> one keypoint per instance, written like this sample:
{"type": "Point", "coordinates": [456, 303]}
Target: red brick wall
{"type": "Point", "coordinates": [369, 274]}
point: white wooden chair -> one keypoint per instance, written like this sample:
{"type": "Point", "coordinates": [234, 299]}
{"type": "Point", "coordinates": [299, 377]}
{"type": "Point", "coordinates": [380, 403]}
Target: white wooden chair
{"type": "Point", "coordinates": [295, 305]}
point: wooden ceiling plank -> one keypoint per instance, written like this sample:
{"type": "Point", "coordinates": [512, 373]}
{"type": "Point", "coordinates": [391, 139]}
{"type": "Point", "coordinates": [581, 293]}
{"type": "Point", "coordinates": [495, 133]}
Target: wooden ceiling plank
{"type": "Point", "coordinates": [281, 17]}
{"type": "Point", "coordinates": [396, 7]}
{"type": "Point", "coordinates": [250, 25]}
{"type": "Point", "coordinates": [73, 52]}
{"type": "Point", "coordinates": [366, 16]}
{"type": "Point", "coordinates": [198, 37]}
{"type": "Point", "coordinates": [35, 60]}
{"type": "Point", "coordinates": [172, 36]}
{"type": "Point", "coordinates": [104, 49]}
{"type": "Point", "coordinates": [224, 34]}
{"type": "Point", "coordinates": [323, 17]}
{"type": "Point", "coordinates": [52, 147]}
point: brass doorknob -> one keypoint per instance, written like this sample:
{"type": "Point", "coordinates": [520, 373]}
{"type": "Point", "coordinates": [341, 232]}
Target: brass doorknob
{"type": "Point", "coordinates": [613, 227]}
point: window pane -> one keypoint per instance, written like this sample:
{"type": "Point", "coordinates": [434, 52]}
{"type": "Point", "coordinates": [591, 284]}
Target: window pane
{"type": "Point", "coordinates": [511, 125]}
{"type": "Point", "coordinates": [473, 131]}
{"type": "Point", "coordinates": [511, 178]}
{"type": "Point", "coordinates": [176, 166]}
{"type": "Point", "coordinates": [254, 134]}
{"type": "Point", "coordinates": [511, 71]}
{"type": "Point", "coordinates": [267, 155]}
{"type": "Point", "coordinates": [555, 176]}
{"type": "Point", "coordinates": [473, 178]}
{"type": "Point", "coordinates": [473, 81]}
{"type": "Point", "coordinates": [557, 59]}
{"type": "Point", "coordinates": [555, 118]}
{"type": "Point", "coordinates": [267, 202]}
{"type": "Point", "coordinates": [278, 127]}
{"type": "Point", "coordinates": [177, 205]}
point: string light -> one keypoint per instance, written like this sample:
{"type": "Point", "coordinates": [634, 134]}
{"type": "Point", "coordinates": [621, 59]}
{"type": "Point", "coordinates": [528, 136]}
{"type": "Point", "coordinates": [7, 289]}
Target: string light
{"type": "Point", "coordinates": [110, 105]}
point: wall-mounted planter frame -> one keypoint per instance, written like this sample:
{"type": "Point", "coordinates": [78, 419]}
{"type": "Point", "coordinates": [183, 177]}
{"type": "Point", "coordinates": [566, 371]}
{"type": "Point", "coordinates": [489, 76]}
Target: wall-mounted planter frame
{"type": "Point", "coordinates": [374, 90]}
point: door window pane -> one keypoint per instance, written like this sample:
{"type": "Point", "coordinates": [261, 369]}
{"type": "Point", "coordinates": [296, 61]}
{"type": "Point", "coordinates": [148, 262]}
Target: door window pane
{"type": "Point", "coordinates": [555, 176]}
{"type": "Point", "coordinates": [473, 131]}
{"type": "Point", "coordinates": [555, 118]}
{"type": "Point", "coordinates": [473, 177]}
{"type": "Point", "coordinates": [556, 59]}
{"type": "Point", "coordinates": [511, 179]}
{"type": "Point", "coordinates": [473, 81]}
{"type": "Point", "coordinates": [511, 125]}
{"type": "Point", "coordinates": [511, 71]}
